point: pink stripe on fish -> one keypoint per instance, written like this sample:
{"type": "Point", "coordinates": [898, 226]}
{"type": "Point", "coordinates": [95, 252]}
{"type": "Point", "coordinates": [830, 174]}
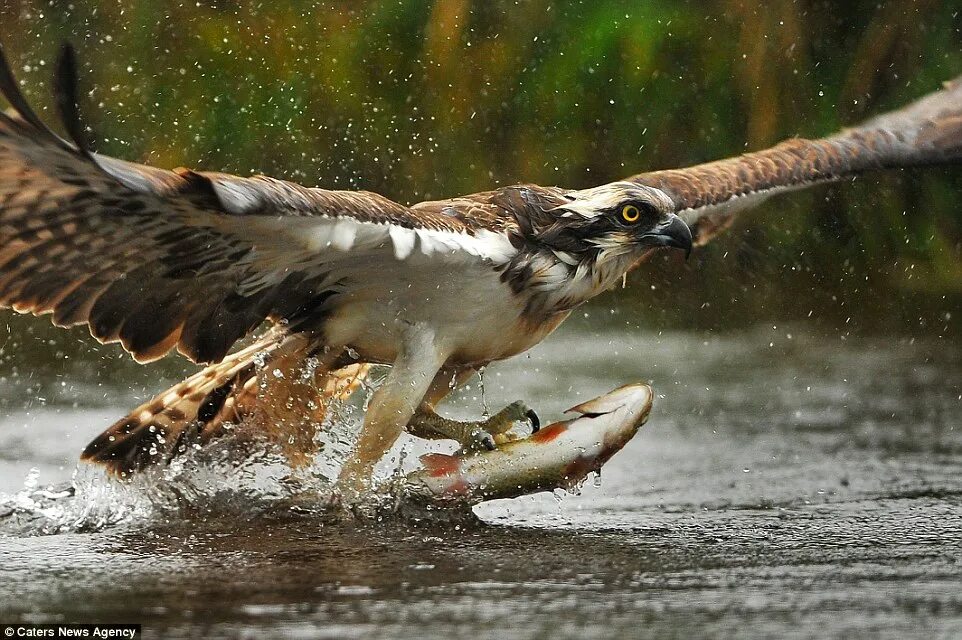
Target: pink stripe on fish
{"type": "Point", "coordinates": [440, 464]}
{"type": "Point", "coordinates": [549, 433]}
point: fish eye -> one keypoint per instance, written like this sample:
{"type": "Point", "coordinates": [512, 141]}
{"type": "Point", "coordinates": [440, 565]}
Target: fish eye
{"type": "Point", "coordinates": [630, 214]}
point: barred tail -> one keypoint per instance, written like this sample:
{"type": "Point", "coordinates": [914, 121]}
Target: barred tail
{"type": "Point", "coordinates": [284, 408]}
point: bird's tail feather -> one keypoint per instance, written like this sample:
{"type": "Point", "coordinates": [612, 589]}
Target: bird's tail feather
{"type": "Point", "coordinates": [271, 387]}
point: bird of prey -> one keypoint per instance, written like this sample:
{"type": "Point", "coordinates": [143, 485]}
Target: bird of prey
{"type": "Point", "coordinates": [196, 261]}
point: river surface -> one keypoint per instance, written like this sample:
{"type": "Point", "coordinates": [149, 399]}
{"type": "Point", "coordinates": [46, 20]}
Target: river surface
{"type": "Point", "coordinates": [788, 484]}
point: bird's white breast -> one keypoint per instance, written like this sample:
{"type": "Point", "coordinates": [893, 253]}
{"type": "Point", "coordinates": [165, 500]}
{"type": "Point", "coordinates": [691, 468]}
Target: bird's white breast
{"type": "Point", "coordinates": [472, 315]}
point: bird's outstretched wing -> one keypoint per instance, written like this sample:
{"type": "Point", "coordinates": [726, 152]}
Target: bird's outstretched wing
{"type": "Point", "coordinates": [927, 131]}
{"type": "Point", "coordinates": [158, 259]}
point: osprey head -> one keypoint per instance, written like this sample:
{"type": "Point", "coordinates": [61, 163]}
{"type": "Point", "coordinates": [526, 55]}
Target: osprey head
{"type": "Point", "coordinates": [576, 244]}
{"type": "Point", "coordinates": [622, 219]}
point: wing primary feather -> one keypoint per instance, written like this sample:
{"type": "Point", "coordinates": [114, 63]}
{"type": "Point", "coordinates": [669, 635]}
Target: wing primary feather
{"type": "Point", "coordinates": [11, 91]}
{"type": "Point", "coordinates": [65, 93]}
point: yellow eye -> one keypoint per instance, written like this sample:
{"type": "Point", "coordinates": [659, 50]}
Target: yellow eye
{"type": "Point", "coordinates": [630, 213]}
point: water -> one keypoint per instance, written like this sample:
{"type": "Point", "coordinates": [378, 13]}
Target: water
{"type": "Point", "coordinates": [787, 484]}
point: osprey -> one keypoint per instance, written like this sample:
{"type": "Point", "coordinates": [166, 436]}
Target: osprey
{"type": "Point", "coordinates": [196, 261]}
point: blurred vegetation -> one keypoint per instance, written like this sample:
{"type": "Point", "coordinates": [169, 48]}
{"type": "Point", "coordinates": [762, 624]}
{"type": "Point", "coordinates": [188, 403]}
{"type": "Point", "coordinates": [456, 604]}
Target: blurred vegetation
{"type": "Point", "coordinates": [420, 99]}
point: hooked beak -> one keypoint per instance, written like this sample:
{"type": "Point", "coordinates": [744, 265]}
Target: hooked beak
{"type": "Point", "coordinates": [671, 233]}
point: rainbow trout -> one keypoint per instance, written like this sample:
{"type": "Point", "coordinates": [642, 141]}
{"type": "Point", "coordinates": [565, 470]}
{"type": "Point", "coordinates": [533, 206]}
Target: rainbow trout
{"type": "Point", "coordinates": [559, 455]}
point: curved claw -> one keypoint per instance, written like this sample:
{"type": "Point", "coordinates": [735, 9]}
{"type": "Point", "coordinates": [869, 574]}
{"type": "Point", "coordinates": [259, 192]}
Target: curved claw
{"type": "Point", "coordinates": [534, 420]}
{"type": "Point", "coordinates": [487, 441]}
{"type": "Point", "coordinates": [481, 441]}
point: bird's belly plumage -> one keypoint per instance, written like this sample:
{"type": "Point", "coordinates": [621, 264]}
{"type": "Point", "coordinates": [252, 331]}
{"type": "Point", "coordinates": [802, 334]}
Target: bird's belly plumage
{"type": "Point", "coordinates": [473, 316]}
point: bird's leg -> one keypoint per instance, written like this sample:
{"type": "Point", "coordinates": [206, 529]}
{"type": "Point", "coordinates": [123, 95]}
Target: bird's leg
{"type": "Point", "coordinates": [389, 410]}
{"type": "Point", "coordinates": [472, 435]}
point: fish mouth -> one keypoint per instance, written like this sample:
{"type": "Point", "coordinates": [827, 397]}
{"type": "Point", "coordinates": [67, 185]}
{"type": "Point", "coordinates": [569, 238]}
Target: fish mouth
{"type": "Point", "coordinates": [635, 400]}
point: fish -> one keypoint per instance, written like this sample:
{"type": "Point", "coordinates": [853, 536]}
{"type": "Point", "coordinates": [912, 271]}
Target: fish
{"type": "Point", "coordinates": [558, 456]}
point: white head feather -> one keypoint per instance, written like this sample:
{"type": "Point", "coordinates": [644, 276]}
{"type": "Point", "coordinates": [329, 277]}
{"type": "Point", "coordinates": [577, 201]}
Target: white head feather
{"type": "Point", "coordinates": [592, 202]}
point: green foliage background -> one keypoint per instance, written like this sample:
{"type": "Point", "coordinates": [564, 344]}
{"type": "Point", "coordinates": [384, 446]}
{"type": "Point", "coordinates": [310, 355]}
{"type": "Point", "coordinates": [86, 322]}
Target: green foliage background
{"type": "Point", "coordinates": [421, 99]}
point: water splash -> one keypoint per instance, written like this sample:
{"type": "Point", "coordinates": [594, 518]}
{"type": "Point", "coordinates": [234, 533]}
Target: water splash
{"type": "Point", "coordinates": [484, 403]}
{"type": "Point", "coordinates": [88, 502]}
{"type": "Point", "coordinates": [236, 476]}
